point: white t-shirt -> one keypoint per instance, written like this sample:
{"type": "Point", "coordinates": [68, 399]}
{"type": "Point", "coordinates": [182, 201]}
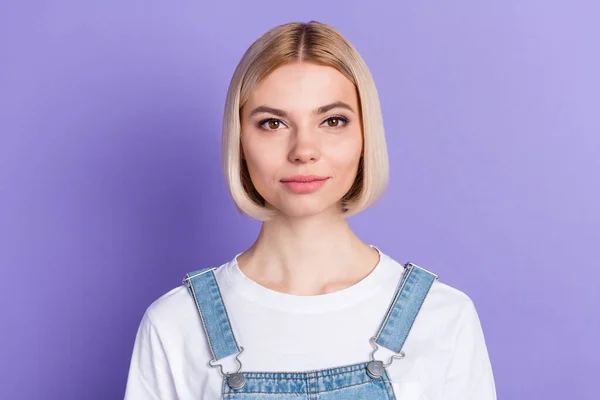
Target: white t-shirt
{"type": "Point", "coordinates": [446, 355]}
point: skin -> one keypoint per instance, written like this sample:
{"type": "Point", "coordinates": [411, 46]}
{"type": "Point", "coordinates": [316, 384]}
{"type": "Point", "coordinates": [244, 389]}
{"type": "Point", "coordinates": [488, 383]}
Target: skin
{"type": "Point", "coordinates": [308, 248]}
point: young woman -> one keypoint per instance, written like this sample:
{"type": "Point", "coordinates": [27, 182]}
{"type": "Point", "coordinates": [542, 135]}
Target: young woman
{"type": "Point", "coordinates": [309, 311]}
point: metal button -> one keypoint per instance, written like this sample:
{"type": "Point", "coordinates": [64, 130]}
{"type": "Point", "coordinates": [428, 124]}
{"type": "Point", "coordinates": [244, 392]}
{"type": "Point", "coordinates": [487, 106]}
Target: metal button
{"type": "Point", "coordinates": [375, 369]}
{"type": "Point", "coordinates": [236, 381]}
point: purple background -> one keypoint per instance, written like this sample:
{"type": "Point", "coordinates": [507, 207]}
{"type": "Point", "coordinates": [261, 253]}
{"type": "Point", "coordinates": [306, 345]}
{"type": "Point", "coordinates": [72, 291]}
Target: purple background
{"type": "Point", "coordinates": [111, 188]}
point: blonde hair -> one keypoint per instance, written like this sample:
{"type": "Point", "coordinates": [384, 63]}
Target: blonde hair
{"type": "Point", "coordinates": [316, 43]}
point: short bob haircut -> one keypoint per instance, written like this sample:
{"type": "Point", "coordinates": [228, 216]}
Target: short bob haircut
{"type": "Point", "coordinates": [320, 44]}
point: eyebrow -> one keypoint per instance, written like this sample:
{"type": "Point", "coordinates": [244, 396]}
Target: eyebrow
{"type": "Point", "coordinates": [283, 114]}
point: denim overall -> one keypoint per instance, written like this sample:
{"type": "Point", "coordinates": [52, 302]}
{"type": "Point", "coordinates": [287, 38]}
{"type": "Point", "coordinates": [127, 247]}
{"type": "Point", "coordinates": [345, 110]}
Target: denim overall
{"type": "Point", "coordinates": [366, 380]}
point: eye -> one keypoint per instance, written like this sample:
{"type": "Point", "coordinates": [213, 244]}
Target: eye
{"type": "Point", "coordinates": [271, 124]}
{"type": "Point", "coordinates": [336, 121]}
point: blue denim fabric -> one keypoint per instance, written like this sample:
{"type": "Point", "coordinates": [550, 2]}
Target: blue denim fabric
{"type": "Point", "coordinates": [213, 313]}
{"type": "Point", "coordinates": [340, 383]}
{"type": "Point", "coordinates": [408, 299]}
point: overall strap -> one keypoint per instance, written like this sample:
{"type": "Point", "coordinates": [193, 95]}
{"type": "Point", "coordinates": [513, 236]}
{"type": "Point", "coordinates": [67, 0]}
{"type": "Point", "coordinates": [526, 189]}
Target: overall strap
{"type": "Point", "coordinates": [406, 303]}
{"type": "Point", "coordinates": [203, 287]}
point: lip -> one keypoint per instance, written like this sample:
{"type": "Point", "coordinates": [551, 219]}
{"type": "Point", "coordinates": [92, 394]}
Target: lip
{"type": "Point", "coordinates": [303, 184]}
{"type": "Point", "coordinates": [303, 178]}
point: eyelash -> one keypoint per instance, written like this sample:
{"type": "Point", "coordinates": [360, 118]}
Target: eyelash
{"type": "Point", "coordinates": [340, 117]}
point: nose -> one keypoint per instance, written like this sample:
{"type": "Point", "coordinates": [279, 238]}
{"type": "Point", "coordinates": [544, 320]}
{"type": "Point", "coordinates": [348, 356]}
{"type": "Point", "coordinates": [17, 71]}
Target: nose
{"type": "Point", "coordinates": [304, 148]}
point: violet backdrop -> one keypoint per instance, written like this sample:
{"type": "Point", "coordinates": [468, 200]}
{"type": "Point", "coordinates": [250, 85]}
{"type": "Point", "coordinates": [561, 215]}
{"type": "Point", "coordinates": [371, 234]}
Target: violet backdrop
{"type": "Point", "coordinates": [111, 187]}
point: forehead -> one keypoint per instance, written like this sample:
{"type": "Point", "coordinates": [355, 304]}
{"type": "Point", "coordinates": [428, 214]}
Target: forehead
{"type": "Point", "coordinates": [303, 87]}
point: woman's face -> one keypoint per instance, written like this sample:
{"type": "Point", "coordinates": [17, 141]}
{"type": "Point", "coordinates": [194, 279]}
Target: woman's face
{"type": "Point", "coordinates": [303, 119]}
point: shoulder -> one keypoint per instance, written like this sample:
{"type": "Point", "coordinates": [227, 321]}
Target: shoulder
{"type": "Point", "coordinates": [445, 309]}
{"type": "Point", "coordinates": [448, 310]}
{"type": "Point", "coordinates": [176, 307]}
{"type": "Point", "coordinates": [170, 307]}
{"type": "Point", "coordinates": [448, 297]}
{"type": "Point", "coordinates": [441, 298]}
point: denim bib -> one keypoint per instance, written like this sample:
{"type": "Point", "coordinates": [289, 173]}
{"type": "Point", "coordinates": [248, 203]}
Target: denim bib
{"type": "Point", "coordinates": [366, 380]}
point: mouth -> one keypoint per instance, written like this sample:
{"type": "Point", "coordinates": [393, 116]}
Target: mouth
{"type": "Point", "coordinates": [304, 178]}
{"type": "Point", "coordinates": [304, 184]}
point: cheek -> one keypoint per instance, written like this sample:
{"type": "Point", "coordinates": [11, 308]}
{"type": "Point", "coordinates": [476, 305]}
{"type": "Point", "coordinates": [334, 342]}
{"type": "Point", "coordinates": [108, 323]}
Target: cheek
{"type": "Point", "coordinates": [345, 155]}
{"type": "Point", "coordinates": [344, 162]}
{"type": "Point", "coordinates": [262, 164]}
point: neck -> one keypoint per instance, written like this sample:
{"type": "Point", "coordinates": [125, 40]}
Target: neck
{"type": "Point", "coordinates": [307, 256]}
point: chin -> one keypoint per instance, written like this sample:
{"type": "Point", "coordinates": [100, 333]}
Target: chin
{"type": "Point", "coordinates": [303, 210]}
{"type": "Point", "coordinates": [301, 213]}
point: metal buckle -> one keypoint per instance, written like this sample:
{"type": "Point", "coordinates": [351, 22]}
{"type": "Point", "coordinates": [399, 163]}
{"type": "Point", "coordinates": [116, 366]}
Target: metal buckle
{"type": "Point", "coordinates": [236, 380]}
{"type": "Point", "coordinates": [375, 367]}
